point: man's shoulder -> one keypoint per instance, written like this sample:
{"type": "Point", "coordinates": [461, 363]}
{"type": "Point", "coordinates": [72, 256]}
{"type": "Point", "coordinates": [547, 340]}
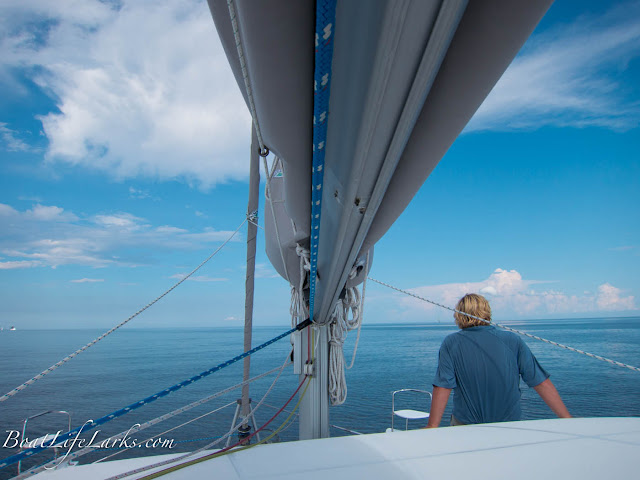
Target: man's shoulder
{"type": "Point", "coordinates": [508, 337]}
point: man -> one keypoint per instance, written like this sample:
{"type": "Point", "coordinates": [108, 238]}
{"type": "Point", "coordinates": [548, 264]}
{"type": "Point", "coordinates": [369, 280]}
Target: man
{"type": "Point", "coordinates": [483, 366]}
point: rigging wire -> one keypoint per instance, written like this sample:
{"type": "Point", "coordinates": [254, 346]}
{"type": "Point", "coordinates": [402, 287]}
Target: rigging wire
{"type": "Point", "coordinates": [331, 424]}
{"type": "Point", "coordinates": [91, 424]}
{"type": "Point", "coordinates": [180, 410]}
{"type": "Point", "coordinates": [172, 429]}
{"type": "Point", "coordinates": [551, 342]}
{"type": "Point", "coordinates": [205, 447]}
{"type": "Point", "coordinates": [227, 449]}
{"type": "Point", "coordinates": [121, 324]}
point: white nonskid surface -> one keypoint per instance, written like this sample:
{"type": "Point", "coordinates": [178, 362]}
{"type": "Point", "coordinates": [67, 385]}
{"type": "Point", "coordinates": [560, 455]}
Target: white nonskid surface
{"type": "Point", "coordinates": [584, 448]}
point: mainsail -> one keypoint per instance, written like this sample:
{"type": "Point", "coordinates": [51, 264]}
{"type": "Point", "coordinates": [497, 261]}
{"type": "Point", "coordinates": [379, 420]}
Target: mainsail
{"type": "Point", "coordinates": [407, 76]}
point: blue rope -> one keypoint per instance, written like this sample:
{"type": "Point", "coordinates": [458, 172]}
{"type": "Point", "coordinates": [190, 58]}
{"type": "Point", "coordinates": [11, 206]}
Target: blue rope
{"type": "Point", "coordinates": [91, 424]}
{"type": "Point", "coordinates": [325, 27]}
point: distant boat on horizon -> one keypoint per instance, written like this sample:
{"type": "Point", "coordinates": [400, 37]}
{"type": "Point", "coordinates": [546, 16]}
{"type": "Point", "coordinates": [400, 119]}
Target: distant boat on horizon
{"type": "Point", "coordinates": [12, 329]}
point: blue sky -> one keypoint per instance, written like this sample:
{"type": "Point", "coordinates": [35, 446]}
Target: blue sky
{"type": "Point", "coordinates": [123, 163]}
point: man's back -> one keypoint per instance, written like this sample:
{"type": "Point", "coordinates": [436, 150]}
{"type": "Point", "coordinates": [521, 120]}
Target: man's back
{"type": "Point", "coordinates": [483, 365]}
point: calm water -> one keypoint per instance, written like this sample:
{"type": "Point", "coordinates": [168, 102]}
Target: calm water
{"type": "Point", "coordinates": [131, 364]}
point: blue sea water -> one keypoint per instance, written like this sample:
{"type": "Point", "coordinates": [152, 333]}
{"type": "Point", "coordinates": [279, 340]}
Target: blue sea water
{"type": "Point", "coordinates": [134, 363]}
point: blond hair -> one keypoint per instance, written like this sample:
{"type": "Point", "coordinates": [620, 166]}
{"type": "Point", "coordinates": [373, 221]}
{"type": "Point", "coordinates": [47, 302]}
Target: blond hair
{"type": "Point", "coordinates": [472, 304]}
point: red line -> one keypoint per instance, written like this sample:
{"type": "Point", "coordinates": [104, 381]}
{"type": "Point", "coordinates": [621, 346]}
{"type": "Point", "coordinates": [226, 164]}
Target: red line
{"type": "Point", "coordinates": [244, 440]}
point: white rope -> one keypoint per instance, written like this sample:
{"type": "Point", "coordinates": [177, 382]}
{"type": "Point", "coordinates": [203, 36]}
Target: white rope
{"type": "Point", "coordinates": [346, 316]}
{"type": "Point", "coordinates": [364, 289]}
{"type": "Point", "coordinates": [159, 435]}
{"type": "Point", "coordinates": [160, 419]}
{"type": "Point", "coordinates": [299, 308]}
{"type": "Point", "coordinates": [245, 73]}
{"type": "Point", "coordinates": [121, 324]}
{"type": "Point", "coordinates": [551, 342]}
{"type": "Point", "coordinates": [209, 445]}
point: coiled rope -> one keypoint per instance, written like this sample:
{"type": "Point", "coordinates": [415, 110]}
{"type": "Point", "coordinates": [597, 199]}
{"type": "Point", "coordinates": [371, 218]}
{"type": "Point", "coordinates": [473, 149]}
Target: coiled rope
{"type": "Point", "coordinates": [346, 316]}
{"type": "Point", "coordinates": [121, 324]}
{"type": "Point", "coordinates": [550, 342]}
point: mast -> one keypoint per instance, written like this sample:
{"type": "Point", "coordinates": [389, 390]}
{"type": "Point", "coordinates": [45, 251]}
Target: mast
{"type": "Point", "coordinates": [252, 216]}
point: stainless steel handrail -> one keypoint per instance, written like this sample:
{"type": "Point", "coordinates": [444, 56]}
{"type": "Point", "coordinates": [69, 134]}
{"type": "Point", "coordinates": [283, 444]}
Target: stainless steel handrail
{"type": "Point", "coordinates": [24, 429]}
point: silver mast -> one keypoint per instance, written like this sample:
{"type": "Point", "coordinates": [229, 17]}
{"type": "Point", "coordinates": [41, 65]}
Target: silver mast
{"type": "Point", "coordinates": [252, 215]}
{"type": "Point", "coordinates": [314, 408]}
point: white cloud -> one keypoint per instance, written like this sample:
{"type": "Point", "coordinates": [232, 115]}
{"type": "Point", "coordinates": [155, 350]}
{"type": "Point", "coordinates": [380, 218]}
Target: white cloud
{"type": "Point", "coordinates": [50, 213]}
{"type": "Point", "coordinates": [119, 220]}
{"type": "Point", "coordinates": [573, 75]}
{"type": "Point", "coordinates": [609, 298]}
{"type": "Point", "coordinates": [143, 88]}
{"type": "Point", "coordinates": [509, 294]}
{"type": "Point", "coordinates": [230, 319]}
{"type": "Point", "coordinates": [198, 278]}
{"type": "Point", "coordinates": [11, 141]}
{"type": "Point", "coordinates": [20, 264]}
{"type": "Point", "coordinates": [264, 270]}
{"type": "Point", "coordinates": [51, 236]}
{"type": "Point", "coordinates": [7, 210]}
{"type": "Point", "coordinates": [88, 280]}
{"type": "Point", "coordinates": [140, 194]}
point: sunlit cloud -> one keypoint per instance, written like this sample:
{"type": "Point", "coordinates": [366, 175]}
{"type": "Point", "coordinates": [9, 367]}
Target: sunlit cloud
{"type": "Point", "coordinates": [88, 280]}
{"type": "Point", "coordinates": [573, 75]}
{"type": "Point", "coordinates": [509, 294]}
{"type": "Point", "coordinates": [142, 88]}
{"type": "Point", "coordinates": [47, 235]}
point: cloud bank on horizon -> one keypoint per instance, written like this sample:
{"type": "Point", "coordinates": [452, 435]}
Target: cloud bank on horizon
{"type": "Point", "coordinates": [508, 293]}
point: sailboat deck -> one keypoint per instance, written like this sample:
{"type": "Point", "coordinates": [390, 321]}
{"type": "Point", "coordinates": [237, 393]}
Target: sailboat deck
{"type": "Point", "coordinates": [585, 448]}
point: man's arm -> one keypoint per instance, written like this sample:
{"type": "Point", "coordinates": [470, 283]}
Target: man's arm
{"type": "Point", "coordinates": [438, 403]}
{"type": "Point", "coordinates": [551, 397]}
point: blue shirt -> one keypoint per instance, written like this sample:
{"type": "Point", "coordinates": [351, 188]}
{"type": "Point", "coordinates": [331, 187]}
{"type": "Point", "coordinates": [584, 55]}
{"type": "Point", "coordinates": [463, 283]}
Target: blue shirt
{"type": "Point", "coordinates": [483, 366]}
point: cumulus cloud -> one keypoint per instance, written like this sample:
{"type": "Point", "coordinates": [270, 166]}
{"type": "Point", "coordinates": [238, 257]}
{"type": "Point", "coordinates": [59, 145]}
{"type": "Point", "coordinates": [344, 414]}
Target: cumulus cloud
{"type": "Point", "coordinates": [50, 214]}
{"type": "Point", "coordinates": [510, 294]}
{"type": "Point", "coordinates": [573, 75]}
{"type": "Point", "coordinates": [142, 88]}
{"type": "Point", "coordinates": [47, 235]}
{"type": "Point", "coordinates": [610, 298]}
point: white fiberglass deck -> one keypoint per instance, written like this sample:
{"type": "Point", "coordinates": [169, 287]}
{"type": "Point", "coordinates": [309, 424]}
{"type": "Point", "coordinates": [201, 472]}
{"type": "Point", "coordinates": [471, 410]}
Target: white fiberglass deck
{"type": "Point", "coordinates": [584, 448]}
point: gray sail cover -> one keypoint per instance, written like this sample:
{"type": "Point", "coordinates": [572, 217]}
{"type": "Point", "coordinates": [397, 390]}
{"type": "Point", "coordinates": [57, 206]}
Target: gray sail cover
{"type": "Point", "coordinates": [407, 76]}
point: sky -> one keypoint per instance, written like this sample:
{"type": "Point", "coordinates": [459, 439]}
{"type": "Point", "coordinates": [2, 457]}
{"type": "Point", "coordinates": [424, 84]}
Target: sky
{"type": "Point", "coordinates": [124, 147]}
